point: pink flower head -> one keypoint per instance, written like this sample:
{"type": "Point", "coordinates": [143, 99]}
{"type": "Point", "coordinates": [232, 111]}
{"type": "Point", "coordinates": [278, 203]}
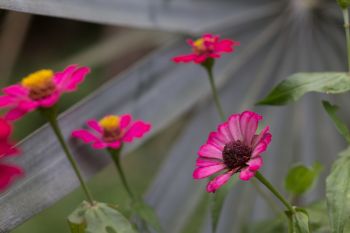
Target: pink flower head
{"type": "Point", "coordinates": [41, 89]}
{"type": "Point", "coordinates": [112, 131]}
{"type": "Point", "coordinates": [208, 46]}
{"type": "Point", "coordinates": [235, 147]}
{"type": "Point", "coordinates": [7, 172]}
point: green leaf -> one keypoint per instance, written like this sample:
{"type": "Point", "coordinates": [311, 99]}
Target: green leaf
{"type": "Point", "coordinates": [341, 127]}
{"type": "Point", "coordinates": [298, 84]}
{"type": "Point", "coordinates": [338, 192]}
{"type": "Point", "coordinates": [147, 214]}
{"type": "Point", "coordinates": [300, 221]}
{"type": "Point", "coordinates": [343, 3]}
{"type": "Point", "coordinates": [301, 178]}
{"type": "Point", "coordinates": [99, 218]}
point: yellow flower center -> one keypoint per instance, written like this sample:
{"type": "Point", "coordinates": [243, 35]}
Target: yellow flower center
{"type": "Point", "coordinates": [40, 84]}
{"type": "Point", "coordinates": [39, 79]}
{"type": "Point", "coordinates": [199, 44]}
{"type": "Point", "coordinates": [110, 123]}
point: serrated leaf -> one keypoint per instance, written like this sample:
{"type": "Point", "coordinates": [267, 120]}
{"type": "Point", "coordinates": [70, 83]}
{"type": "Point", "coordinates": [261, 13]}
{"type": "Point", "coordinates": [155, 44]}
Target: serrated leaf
{"type": "Point", "coordinates": [301, 178]}
{"type": "Point", "coordinates": [338, 192]}
{"type": "Point", "coordinates": [147, 214]}
{"type": "Point", "coordinates": [341, 127]}
{"type": "Point", "coordinates": [99, 218]}
{"type": "Point", "coordinates": [296, 85]}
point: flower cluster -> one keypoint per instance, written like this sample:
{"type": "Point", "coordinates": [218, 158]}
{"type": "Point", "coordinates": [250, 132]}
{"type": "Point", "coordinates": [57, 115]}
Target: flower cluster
{"type": "Point", "coordinates": [208, 46]}
{"type": "Point", "coordinates": [233, 148]}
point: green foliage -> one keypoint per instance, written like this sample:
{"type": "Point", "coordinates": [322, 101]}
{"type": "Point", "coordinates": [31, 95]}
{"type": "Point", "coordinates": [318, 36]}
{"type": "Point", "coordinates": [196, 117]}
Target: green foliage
{"type": "Point", "coordinates": [341, 127]}
{"type": "Point", "coordinates": [99, 218]}
{"type": "Point", "coordinates": [298, 84]}
{"type": "Point", "coordinates": [343, 3]}
{"type": "Point", "coordinates": [147, 214]}
{"type": "Point", "coordinates": [338, 192]}
{"type": "Point", "coordinates": [300, 221]}
{"type": "Point", "coordinates": [301, 178]}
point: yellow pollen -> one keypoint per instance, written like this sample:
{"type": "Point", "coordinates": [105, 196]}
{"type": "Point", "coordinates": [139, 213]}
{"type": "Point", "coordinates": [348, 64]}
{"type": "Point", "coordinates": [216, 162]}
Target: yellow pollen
{"type": "Point", "coordinates": [199, 43]}
{"type": "Point", "coordinates": [39, 79]}
{"type": "Point", "coordinates": [110, 122]}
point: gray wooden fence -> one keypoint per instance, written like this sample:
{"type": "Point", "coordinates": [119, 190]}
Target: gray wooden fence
{"type": "Point", "coordinates": [277, 38]}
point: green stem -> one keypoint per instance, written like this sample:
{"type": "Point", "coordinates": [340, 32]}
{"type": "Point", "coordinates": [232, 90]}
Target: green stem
{"type": "Point", "coordinates": [116, 159]}
{"type": "Point", "coordinates": [268, 185]}
{"type": "Point", "coordinates": [347, 33]}
{"type": "Point", "coordinates": [50, 115]}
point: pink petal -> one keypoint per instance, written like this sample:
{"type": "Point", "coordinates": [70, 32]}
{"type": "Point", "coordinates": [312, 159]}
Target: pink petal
{"type": "Point", "coordinates": [249, 124]}
{"type": "Point", "coordinates": [85, 136]}
{"type": "Point", "coordinates": [7, 175]}
{"type": "Point", "coordinates": [93, 124]}
{"type": "Point", "coordinates": [225, 132]}
{"type": "Point", "coordinates": [254, 164]}
{"type": "Point", "coordinates": [200, 58]}
{"type": "Point", "coordinates": [115, 145]}
{"type": "Point", "coordinates": [185, 58]}
{"type": "Point", "coordinates": [203, 172]}
{"type": "Point", "coordinates": [218, 181]}
{"type": "Point", "coordinates": [61, 77]}
{"type": "Point", "coordinates": [246, 174]}
{"type": "Point", "coordinates": [210, 151]}
{"type": "Point", "coordinates": [264, 133]}
{"type": "Point", "coordinates": [216, 140]}
{"type": "Point", "coordinates": [261, 147]}
{"type": "Point", "coordinates": [99, 145]}
{"type": "Point", "coordinates": [15, 114]}
{"type": "Point", "coordinates": [125, 121]}
{"type": "Point", "coordinates": [5, 129]}
{"type": "Point", "coordinates": [202, 162]}
{"type": "Point", "coordinates": [137, 130]}
{"type": "Point", "coordinates": [235, 128]}
{"type": "Point", "coordinates": [16, 90]}
{"type": "Point", "coordinates": [50, 100]}
{"type": "Point", "coordinates": [28, 105]}
{"type": "Point", "coordinates": [6, 101]}
{"type": "Point", "coordinates": [7, 149]}
{"type": "Point", "coordinates": [76, 78]}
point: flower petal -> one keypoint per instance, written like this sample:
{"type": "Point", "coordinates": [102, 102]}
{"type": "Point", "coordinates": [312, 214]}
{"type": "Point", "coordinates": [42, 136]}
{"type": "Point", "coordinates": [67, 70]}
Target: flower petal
{"type": "Point", "coordinates": [218, 181]}
{"type": "Point", "coordinates": [99, 145]}
{"type": "Point", "coordinates": [225, 132]}
{"type": "Point", "coordinates": [7, 101]}
{"type": "Point", "coordinates": [50, 100]}
{"type": "Point", "coordinates": [85, 136]}
{"type": "Point", "coordinates": [246, 174]}
{"type": "Point", "coordinates": [7, 175]}
{"type": "Point", "coordinates": [61, 77]}
{"type": "Point", "coordinates": [264, 133]}
{"type": "Point", "coordinates": [76, 78]}
{"type": "Point", "coordinates": [137, 130]}
{"type": "Point", "coordinates": [185, 58]}
{"type": "Point", "coordinates": [249, 124]}
{"type": "Point", "coordinates": [203, 162]}
{"type": "Point", "coordinates": [5, 129]}
{"type": "Point", "coordinates": [254, 164]}
{"type": "Point", "coordinates": [93, 124]}
{"type": "Point", "coordinates": [16, 91]}
{"type": "Point", "coordinates": [203, 172]}
{"type": "Point", "coordinates": [15, 114]}
{"type": "Point", "coordinates": [115, 145]}
{"type": "Point", "coordinates": [125, 121]}
{"type": "Point", "coordinates": [210, 151]}
{"type": "Point", "coordinates": [216, 140]}
{"type": "Point", "coordinates": [234, 127]}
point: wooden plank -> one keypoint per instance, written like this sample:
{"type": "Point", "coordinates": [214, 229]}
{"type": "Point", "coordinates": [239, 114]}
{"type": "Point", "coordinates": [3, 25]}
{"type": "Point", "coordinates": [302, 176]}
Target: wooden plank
{"type": "Point", "coordinates": [186, 16]}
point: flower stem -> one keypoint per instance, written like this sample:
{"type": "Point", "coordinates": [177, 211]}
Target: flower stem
{"type": "Point", "coordinates": [347, 33]}
{"type": "Point", "coordinates": [268, 185]}
{"type": "Point", "coordinates": [116, 159]}
{"type": "Point", "coordinates": [50, 114]}
{"type": "Point", "coordinates": [208, 65]}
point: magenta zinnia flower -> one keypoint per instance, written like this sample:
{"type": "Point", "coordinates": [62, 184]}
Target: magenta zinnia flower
{"type": "Point", "coordinates": [112, 131]}
{"type": "Point", "coordinates": [8, 173]}
{"type": "Point", "coordinates": [41, 89]}
{"type": "Point", "coordinates": [208, 46]}
{"type": "Point", "coordinates": [233, 148]}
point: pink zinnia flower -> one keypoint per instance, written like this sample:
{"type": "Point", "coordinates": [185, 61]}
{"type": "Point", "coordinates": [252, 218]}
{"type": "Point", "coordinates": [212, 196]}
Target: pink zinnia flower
{"type": "Point", "coordinates": [7, 172]}
{"type": "Point", "coordinates": [208, 46]}
{"type": "Point", "coordinates": [112, 131]}
{"type": "Point", "coordinates": [233, 148]}
{"type": "Point", "coordinates": [41, 89]}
